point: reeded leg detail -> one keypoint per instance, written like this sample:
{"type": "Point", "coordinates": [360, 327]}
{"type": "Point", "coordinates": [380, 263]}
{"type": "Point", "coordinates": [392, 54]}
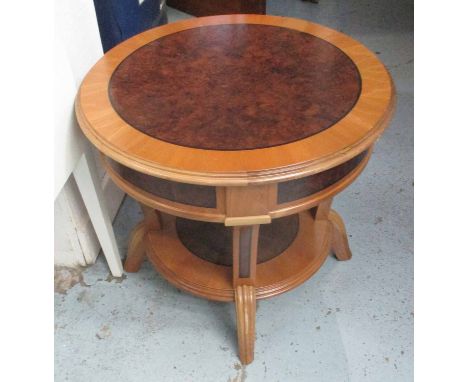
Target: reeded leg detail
{"type": "Point", "coordinates": [136, 246]}
{"type": "Point", "coordinates": [339, 246]}
{"type": "Point", "coordinates": [245, 311]}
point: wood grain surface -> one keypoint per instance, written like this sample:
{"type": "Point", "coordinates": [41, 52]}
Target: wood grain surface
{"type": "Point", "coordinates": [345, 139]}
{"type": "Point", "coordinates": [296, 264]}
{"type": "Point", "coordinates": [213, 241]}
{"type": "Point", "coordinates": [235, 87]}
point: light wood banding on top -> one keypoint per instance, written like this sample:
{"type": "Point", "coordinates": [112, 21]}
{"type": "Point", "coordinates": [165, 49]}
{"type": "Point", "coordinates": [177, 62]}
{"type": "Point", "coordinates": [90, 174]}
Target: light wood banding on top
{"type": "Point", "coordinates": [348, 137]}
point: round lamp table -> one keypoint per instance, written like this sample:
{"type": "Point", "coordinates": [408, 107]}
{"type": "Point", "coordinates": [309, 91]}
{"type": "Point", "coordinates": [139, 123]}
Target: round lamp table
{"type": "Point", "coordinates": [234, 133]}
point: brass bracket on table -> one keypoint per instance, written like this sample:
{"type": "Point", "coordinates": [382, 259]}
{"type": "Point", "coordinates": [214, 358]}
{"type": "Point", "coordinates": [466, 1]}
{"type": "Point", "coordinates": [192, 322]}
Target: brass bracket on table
{"type": "Point", "coordinates": [247, 220]}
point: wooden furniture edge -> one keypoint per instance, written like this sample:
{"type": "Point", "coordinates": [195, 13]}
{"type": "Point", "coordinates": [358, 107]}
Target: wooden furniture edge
{"type": "Point", "coordinates": [242, 178]}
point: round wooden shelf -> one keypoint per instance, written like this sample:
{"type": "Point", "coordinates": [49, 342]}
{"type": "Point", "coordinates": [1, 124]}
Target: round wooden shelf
{"type": "Point", "coordinates": [205, 279]}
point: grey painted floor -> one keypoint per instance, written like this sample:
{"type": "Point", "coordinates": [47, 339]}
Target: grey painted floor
{"type": "Point", "coordinates": [353, 321]}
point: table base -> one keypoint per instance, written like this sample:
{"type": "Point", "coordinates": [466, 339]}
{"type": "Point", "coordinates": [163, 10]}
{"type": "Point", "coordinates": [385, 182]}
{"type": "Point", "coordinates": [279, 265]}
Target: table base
{"type": "Point", "coordinates": [320, 230]}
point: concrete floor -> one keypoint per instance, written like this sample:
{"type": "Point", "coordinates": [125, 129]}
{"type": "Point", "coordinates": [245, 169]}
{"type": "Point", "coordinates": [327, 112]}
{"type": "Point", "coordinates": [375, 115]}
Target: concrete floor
{"type": "Point", "coordinates": [353, 321]}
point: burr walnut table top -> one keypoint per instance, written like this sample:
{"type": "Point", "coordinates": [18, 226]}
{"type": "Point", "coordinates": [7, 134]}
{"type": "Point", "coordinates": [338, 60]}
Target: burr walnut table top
{"type": "Point", "coordinates": [235, 87]}
{"type": "Point", "coordinates": [235, 100]}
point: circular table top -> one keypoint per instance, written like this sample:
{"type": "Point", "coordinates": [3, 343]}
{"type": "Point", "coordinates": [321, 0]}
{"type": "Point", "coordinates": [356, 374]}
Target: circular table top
{"type": "Point", "coordinates": [235, 99]}
{"type": "Point", "coordinates": [235, 87]}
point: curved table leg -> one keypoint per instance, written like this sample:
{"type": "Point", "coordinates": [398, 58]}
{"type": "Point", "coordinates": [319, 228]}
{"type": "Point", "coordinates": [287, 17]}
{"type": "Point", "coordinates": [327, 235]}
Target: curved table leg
{"type": "Point", "coordinates": [245, 248]}
{"type": "Point", "coordinates": [136, 247]}
{"type": "Point", "coordinates": [339, 246]}
{"type": "Point", "coordinates": [245, 312]}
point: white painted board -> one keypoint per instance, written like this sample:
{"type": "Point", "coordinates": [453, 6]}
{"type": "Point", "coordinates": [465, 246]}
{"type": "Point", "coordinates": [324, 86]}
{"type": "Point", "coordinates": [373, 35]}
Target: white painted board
{"type": "Point", "coordinates": [77, 48]}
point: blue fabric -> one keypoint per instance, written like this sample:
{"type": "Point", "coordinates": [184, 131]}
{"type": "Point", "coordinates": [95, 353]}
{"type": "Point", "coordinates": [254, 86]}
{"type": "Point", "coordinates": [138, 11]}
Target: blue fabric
{"type": "Point", "coordinates": [119, 20]}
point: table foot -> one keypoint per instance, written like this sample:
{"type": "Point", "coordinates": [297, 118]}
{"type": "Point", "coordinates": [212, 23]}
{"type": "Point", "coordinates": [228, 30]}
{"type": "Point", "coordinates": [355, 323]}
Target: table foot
{"type": "Point", "coordinates": [245, 312]}
{"type": "Point", "coordinates": [339, 242]}
{"type": "Point", "coordinates": [136, 248]}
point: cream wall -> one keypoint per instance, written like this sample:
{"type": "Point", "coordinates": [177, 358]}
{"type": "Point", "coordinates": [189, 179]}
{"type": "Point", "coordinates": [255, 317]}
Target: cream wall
{"type": "Point", "coordinates": [77, 48]}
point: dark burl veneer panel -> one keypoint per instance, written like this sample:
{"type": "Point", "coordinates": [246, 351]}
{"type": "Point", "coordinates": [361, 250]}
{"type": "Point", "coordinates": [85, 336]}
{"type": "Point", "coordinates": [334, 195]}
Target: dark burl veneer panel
{"type": "Point", "coordinates": [213, 241]}
{"type": "Point", "coordinates": [191, 194]}
{"type": "Point", "coordinates": [302, 187]}
{"type": "Point", "coordinates": [235, 87]}
{"type": "Point", "coordinates": [245, 244]}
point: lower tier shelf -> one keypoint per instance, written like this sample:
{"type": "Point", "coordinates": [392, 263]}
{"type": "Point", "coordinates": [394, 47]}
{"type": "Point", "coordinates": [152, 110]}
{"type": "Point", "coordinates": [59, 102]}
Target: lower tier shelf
{"type": "Point", "coordinates": [298, 262]}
